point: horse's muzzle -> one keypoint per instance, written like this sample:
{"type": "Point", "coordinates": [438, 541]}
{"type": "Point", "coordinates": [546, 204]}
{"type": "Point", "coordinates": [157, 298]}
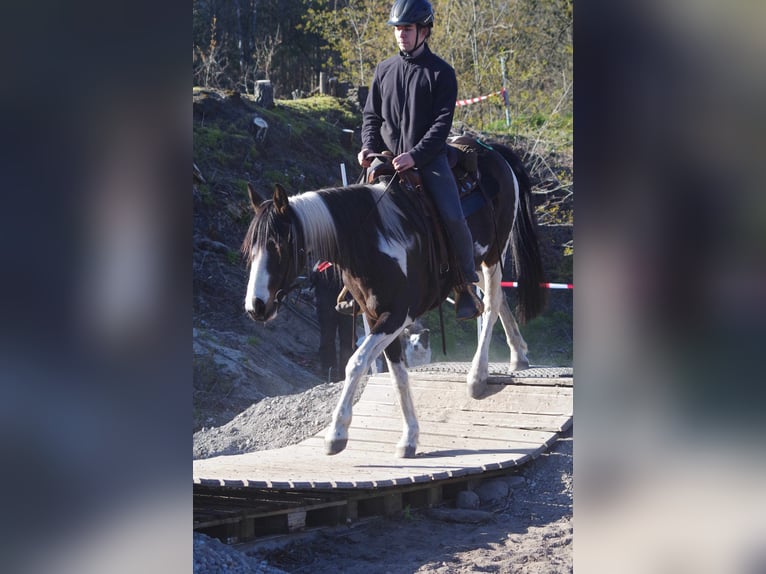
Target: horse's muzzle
{"type": "Point", "coordinates": [258, 311]}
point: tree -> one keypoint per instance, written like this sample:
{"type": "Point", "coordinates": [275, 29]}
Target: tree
{"type": "Point", "coordinates": [291, 41]}
{"type": "Point", "coordinates": [356, 35]}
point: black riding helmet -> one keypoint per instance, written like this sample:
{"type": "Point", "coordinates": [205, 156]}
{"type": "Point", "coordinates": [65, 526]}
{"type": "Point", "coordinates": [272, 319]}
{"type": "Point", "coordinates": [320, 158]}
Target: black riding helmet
{"type": "Point", "coordinates": [417, 12]}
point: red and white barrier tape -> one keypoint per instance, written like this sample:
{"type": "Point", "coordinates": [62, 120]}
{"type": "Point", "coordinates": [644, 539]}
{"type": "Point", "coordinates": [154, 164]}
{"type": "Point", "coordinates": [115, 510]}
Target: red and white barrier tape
{"type": "Point", "coordinates": [479, 99]}
{"type": "Point", "coordinates": [546, 285]}
{"type": "Point", "coordinates": [323, 265]}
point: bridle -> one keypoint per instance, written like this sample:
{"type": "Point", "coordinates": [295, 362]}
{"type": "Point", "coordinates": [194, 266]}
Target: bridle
{"type": "Point", "coordinates": [282, 293]}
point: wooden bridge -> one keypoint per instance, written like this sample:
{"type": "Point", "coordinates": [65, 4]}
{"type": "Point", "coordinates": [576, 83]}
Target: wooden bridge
{"type": "Point", "coordinates": [240, 497]}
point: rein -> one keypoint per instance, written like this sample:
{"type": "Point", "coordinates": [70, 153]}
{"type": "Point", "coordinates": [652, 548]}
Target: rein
{"type": "Point", "coordinates": [382, 157]}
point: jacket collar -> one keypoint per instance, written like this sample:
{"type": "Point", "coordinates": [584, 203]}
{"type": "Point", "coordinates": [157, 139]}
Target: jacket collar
{"type": "Point", "coordinates": [419, 58]}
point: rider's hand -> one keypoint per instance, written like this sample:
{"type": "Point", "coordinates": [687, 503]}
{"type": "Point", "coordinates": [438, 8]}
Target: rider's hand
{"type": "Point", "coordinates": [362, 157]}
{"type": "Point", "coordinates": [403, 162]}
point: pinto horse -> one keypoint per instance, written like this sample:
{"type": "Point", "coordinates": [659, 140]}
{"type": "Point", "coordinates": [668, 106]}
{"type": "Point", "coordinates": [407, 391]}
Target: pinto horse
{"type": "Point", "coordinates": [375, 235]}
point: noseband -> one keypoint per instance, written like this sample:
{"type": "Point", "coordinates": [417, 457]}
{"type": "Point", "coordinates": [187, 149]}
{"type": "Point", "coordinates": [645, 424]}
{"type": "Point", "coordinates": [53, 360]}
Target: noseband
{"type": "Point", "coordinates": [282, 294]}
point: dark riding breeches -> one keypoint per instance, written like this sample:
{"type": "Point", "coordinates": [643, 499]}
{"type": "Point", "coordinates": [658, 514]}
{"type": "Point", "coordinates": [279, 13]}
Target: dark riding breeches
{"type": "Point", "coordinates": [440, 183]}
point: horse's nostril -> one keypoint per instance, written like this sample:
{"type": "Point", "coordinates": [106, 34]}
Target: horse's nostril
{"type": "Point", "coordinates": [259, 308]}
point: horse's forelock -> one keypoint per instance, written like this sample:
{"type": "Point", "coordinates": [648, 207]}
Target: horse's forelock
{"type": "Point", "coordinates": [252, 231]}
{"type": "Point", "coordinates": [266, 223]}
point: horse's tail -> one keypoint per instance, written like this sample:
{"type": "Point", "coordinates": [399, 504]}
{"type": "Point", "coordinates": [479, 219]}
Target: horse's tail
{"type": "Point", "coordinates": [528, 265]}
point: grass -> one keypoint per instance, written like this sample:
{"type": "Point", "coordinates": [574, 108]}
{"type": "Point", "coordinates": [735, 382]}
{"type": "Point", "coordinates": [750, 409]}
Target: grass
{"type": "Point", "coordinates": [549, 337]}
{"type": "Point", "coordinates": [546, 132]}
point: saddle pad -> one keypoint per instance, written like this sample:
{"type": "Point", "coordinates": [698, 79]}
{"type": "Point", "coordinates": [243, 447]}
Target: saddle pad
{"type": "Point", "coordinates": [475, 200]}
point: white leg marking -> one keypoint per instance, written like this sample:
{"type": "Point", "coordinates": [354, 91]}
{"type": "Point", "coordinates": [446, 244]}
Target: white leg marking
{"type": "Point", "coordinates": [516, 342]}
{"type": "Point", "coordinates": [479, 371]}
{"type": "Point", "coordinates": [407, 445]}
{"type": "Point", "coordinates": [358, 366]}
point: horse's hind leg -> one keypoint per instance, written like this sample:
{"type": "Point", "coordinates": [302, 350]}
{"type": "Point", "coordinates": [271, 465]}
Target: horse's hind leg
{"type": "Point", "coordinates": [358, 365]}
{"type": "Point", "coordinates": [516, 342]}
{"type": "Point", "coordinates": [479, 372]}
{"type": "Point", "coordinates": [407, 445]}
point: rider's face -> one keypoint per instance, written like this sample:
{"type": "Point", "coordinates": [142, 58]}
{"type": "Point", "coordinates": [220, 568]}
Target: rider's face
{"type": "Point", "coordinates": [408, 36]}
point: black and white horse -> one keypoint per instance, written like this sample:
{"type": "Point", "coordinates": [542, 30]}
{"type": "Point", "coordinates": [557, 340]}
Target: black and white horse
{"type": "Point", "coordinates": [375, 235]}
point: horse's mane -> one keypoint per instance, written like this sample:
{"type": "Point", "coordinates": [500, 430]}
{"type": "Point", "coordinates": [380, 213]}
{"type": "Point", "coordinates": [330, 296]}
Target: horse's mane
{"type": "Point", "coordinates": [338, 224]}
{"type": "Point", "coordinates": [316, 223]}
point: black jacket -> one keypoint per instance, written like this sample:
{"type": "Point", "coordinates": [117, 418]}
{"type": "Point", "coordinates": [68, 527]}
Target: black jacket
{"type": "Point", "coordinates": [410, 106]}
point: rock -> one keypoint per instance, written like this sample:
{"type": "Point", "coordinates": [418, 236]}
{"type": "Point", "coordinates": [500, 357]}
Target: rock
{"type": "Point", "coordinates": [492, 491]}
{"type": "Point", "coordinates": [263, 93]}
{"type": "Point", "coordinates": [467, 500]}
{"type": "Point", "coordinates": [212, 556]}
{"type": "Point", "coordinates": [515, 481]}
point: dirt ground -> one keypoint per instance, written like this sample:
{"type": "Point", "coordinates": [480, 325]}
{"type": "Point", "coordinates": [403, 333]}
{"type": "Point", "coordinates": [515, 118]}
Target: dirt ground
{"type": "Point", "coordinates": [527, 531]}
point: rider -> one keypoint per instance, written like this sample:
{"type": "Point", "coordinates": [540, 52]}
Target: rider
{"type": "Point", "coordinates": [409, 111]}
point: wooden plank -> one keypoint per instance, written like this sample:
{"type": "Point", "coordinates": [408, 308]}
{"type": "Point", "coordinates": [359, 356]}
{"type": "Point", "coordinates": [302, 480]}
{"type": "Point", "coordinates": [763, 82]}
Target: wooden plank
{"type": "Point", "coordinates": [459, 437]}
{"type": "Point", "coordinates": [425, 379]}
{"type": "Point", "coordinates": [431, 441]}
{"type": "Point", "coordinates": [360, 467]}
{"type": "Point", "coordinates": [555, 423]}
{"type": "Point", "coordinates": [239, 514]}
{"type": "Point", "coordinates": [459, 386]}
{"type": "Point", "coordinates": [546, 400]}
{"type": "Point", "coordinates": [303, 457]}
{"type": "Point", "coordinates": [439, 383]}
{"type": "Point", "coordinates": [467, 431]}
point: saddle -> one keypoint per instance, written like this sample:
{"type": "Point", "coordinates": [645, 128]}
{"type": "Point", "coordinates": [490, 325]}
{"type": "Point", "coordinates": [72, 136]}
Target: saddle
{"type": "Point", "coordinates": [462, 156]}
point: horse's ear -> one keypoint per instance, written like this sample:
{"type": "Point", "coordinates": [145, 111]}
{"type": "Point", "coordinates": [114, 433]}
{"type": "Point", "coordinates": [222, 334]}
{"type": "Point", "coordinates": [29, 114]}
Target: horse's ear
{"type": "Point", "coordinates": [255, 198]}
{"type": "Point", "coordinates": [280, 199]}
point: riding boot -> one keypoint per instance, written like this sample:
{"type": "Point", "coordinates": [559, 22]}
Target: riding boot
{"type": "Point", "coordinates": [467, 304]}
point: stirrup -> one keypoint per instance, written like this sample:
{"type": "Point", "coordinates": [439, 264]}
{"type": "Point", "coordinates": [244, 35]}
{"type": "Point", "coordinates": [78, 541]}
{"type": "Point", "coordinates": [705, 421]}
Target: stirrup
{"type": "Point", "coordinates": [467, 304]}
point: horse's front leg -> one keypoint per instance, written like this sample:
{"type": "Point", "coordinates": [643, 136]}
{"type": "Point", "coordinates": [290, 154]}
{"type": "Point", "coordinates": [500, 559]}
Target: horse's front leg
{"type": "Point", "coordinates": [358, 365]}
{"type": "Point", "coordinates": [407, 445]}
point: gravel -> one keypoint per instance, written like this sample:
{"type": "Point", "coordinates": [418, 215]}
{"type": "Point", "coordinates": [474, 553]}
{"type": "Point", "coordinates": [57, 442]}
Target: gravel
{"type": "Point", "coordinates": [212, 556]}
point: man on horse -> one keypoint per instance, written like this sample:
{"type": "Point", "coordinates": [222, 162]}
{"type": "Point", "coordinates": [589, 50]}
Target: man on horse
{"type": "Point", "coordinates": [409, 111]}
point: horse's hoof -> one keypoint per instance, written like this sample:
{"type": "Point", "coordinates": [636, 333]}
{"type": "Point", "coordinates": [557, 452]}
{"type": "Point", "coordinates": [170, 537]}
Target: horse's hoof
{"type": "Point", "coordinates": [519, 365]}
{"type": "Point", "coordinates": [477, 390]}
{"type": "Point", "coordinates": [405, 451]}
{"type": "Point", "coordinates": [335, 446]}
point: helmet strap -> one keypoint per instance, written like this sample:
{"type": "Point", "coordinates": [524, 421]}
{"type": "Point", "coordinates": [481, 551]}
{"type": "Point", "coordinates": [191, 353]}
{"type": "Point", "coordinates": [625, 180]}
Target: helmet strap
{"type": "Point", "coordinates": [418, 27]}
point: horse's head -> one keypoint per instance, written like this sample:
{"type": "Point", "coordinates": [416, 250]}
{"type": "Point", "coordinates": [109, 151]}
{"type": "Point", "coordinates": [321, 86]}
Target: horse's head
{"type": "Point", "coordinates": [274, 254]}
